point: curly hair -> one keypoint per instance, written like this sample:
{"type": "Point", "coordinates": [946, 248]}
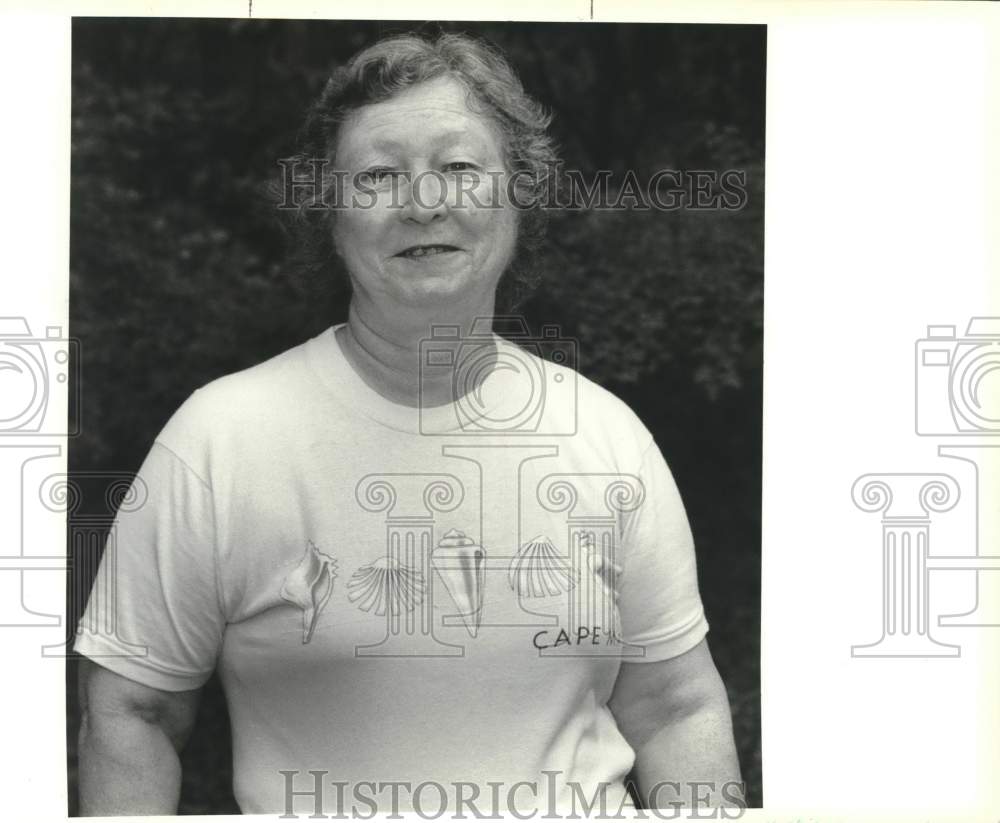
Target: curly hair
{"type": "Point", "coordinates": [394, 64]}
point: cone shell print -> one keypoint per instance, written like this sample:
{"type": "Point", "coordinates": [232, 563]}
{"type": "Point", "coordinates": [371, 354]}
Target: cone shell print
{"type": "Point", "coordinates": [309, 586]}
{"type": "Point", "coordinates": [461, 564]}
{"type": "Point", "coordinates": [386, 586]}
{"type": "Point", "coordinates": [539, 570]}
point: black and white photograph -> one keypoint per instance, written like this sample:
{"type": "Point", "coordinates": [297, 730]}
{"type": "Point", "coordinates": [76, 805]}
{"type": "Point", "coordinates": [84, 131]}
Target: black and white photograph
{"type": "Point", "coordinates": [430, 353]}
{"type": "Point", "coordinates": [563, 411]}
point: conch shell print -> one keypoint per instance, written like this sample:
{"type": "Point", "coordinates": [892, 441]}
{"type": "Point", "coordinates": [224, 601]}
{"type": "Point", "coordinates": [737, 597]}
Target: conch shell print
{"type": "Point", "coordinates": [385, 585]}
{"type": "Point", "coordinates": [538, 570]}
{"type": "Point", "coordinates": [461, 564]}
{"type": "Point", "coordinates": [309, 586]}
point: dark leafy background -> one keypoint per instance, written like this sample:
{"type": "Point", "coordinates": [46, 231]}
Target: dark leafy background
{"type": "Point", "coordinates": [179, 272]}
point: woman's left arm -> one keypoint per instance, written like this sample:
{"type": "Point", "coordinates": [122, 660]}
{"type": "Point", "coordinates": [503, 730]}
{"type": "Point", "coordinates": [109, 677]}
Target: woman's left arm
{"type": "Point", "coordinates": [675, 715]}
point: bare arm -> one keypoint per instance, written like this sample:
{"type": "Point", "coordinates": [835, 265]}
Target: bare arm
{"type": "Point", "coordinates": [130, 737]}
{"type": "Point", "coordinates": [675, 715]}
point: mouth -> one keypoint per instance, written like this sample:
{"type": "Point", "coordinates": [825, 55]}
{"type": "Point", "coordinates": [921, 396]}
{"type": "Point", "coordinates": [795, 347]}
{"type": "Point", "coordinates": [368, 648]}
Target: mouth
{"type": "Point", "coordinates": [426, 251]}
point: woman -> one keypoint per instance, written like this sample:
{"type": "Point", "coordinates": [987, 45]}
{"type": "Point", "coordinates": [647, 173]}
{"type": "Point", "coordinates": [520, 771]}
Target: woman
{"type": "Point", "coordinates": [432, 569]}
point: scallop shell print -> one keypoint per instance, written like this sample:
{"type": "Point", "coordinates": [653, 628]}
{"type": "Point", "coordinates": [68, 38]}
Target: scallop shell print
{"type": "Point", "coordinates": [539, 570]}
{"type": "Point", "coordinates": [386, 586]}
{"type": "Point", "coordinates": [309, 586]}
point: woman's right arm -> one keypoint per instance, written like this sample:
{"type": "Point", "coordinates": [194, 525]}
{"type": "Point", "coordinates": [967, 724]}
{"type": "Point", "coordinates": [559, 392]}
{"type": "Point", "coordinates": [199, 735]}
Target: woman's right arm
{"type": "Point", "coordinates": [130, 739]}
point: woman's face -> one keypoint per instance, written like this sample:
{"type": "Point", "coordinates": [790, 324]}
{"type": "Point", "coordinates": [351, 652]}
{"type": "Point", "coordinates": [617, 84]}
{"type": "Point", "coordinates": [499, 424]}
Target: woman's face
{"type": "Point", "coordinates": [427, 222]}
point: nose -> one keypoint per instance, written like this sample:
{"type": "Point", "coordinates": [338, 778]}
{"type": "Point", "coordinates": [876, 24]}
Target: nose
{"type": "Point", "coordinates": [427, 198]}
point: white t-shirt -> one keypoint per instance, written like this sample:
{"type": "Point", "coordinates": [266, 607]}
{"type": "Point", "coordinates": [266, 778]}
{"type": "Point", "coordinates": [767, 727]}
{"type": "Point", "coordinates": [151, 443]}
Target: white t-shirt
{"type": "Point", "coordinates": [397, 596]}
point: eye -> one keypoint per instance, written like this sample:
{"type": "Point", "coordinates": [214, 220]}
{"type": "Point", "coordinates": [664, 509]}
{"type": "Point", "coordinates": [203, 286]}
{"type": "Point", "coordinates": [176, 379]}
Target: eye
{"type": "Point", "coordinates": [460, 165]}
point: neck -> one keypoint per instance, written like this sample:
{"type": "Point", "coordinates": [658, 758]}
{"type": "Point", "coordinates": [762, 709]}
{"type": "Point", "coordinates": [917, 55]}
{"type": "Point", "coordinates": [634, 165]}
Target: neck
{"type": "Point", "coordinates": [384, 348]}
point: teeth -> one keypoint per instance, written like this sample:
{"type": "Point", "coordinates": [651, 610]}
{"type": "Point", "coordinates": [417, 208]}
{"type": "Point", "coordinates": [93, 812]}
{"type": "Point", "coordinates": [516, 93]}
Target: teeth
{"type": "Point", "coordinates": [425, 250]}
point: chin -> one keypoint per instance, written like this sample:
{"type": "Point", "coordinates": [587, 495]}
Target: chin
{"type": "Point", "coordinates": [434, 291]}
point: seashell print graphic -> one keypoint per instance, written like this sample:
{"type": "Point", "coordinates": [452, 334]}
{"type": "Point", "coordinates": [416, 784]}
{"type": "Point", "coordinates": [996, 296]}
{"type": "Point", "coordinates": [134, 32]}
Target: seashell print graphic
{"type": "Point", "coordinates": [608, 574]}
{"type": "Point", "coordinates": [385, 585]}
{"type": "Point", "coordinates": [461, 564]}
{"type": "Point", "coordinates": [538, 570]}
{"type": "Point", "coordinates": [309, 586]}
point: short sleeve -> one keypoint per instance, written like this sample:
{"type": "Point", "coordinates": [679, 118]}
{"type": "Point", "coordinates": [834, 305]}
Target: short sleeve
{"type": "Point", "coordinates": [164, 593]}
{"type": "Point", "coordinates": [658, 600]}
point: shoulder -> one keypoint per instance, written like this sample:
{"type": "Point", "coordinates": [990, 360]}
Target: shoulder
{"type": "Point", "coordinates": [238, 404]}
{"type": "Point", "coordinates": [596, 418]}
{"type": "Point", "coordinates": [607, 419]}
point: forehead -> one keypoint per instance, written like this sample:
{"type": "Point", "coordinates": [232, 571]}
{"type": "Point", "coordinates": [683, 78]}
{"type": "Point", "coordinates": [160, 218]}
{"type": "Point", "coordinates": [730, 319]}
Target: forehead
{"type": "Point", "coordinates": [429, 114]}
